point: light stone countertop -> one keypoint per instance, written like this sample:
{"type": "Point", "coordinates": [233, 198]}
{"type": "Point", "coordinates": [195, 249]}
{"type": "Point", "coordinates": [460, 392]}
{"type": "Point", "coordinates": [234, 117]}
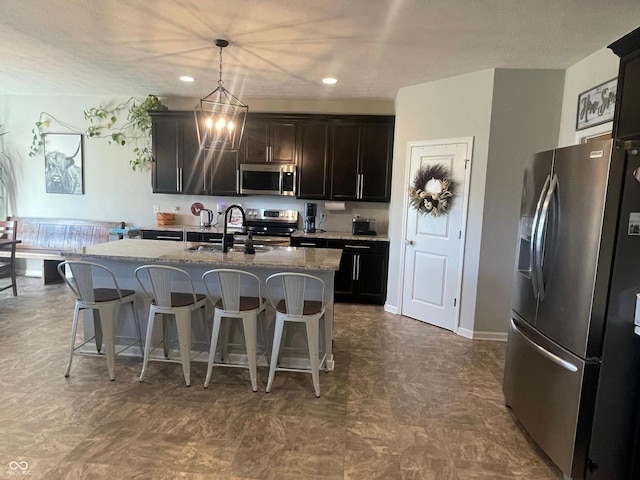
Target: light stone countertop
{"type": "Point", "coordinates": [340, 236]}
{"type": "Point", "coordinates": [289, 258]}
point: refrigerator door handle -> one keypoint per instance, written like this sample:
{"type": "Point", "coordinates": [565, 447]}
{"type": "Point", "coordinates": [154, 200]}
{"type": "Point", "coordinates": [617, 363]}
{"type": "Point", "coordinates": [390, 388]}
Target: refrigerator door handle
{"type": "Point", "coordinates": [543, 351]}
{"type": "Point", "coordinates": [533, 243]}
{"type": "Point", "coordinates": [539, 234]}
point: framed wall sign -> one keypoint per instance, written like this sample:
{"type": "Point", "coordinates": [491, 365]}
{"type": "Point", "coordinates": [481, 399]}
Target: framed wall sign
{"type": "Point", "coordinates": [596, 105]}
{"type": "Point", "coordinates": [63, 163]}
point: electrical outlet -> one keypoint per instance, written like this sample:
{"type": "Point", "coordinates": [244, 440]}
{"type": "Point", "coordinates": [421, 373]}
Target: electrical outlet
{"type": "Point", "coordinates": [156, 209]}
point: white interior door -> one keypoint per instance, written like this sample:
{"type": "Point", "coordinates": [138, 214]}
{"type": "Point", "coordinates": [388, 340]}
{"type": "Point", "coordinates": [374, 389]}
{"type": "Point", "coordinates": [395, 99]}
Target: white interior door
{"type": "Point", "coordinates": [434, 246]}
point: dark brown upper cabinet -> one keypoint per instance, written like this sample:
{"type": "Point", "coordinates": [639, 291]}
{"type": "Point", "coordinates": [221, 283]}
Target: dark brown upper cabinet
{"type": "Point", "coordinates": [221, 173]}
{"type": "Point", "coordinates": [312, 152]}
{"type": "Point", "coordinates": [339, 157]}
{"type": "Point", "coordinates": [268, 138]}
{"type": "Point", "coordinates": [626, 121]}
{"type": "Point", "coordinates": [177, 166]}
{"type": "Point", "coordinates": [361, 156]}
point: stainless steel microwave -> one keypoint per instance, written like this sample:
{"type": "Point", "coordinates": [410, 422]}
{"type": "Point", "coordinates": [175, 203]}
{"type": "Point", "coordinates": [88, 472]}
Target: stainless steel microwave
{"type": "Point", "coordinates": [267, 179]}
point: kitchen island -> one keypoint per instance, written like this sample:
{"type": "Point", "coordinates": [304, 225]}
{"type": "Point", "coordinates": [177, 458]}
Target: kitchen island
{"type": "Point", "coordinates": [122, 257]}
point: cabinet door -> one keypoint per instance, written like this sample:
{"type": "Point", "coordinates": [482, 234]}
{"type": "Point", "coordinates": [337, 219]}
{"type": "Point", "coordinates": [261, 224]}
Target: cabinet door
{"type": "Point", "coordinates": [255, 140]}
{"type": "Point", "coordinates": [345, 138]}
{"type": "Point", "coordinates": [372, 278]}
{"type": "Point", "coordinates": [165, 131]}
{"type": "Point", "coordinates": [313, 160]}
{"type": "Point", "coordinates": [282, 142]}
{"type": "Point", "coordinates": [177, 165]}
{"type": "Point", "coordinates": [267, 139]}
{"type": "Point", "coordinates": [375, 162]}
{"type": "Point", "coordinates": [190, 159]}
{"type": "Point", "coordinates": [343, 284]}
{"type": "Point", "coordinates": [223, 172]}
{"type": "Point", "coordinates": [628, 105]}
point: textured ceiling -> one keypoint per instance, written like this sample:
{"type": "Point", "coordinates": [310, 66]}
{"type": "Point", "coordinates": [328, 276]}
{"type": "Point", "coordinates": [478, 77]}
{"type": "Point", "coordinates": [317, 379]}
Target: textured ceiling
{"type": "Point", "coordinates": [285, 47]}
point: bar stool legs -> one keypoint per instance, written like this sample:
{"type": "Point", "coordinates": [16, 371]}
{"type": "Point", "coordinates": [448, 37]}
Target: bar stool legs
{"type": "Point", "coordinates": [105, 304]}
{"type": "Point", "coordinates": [295, 307]}
{"type": "Point", "coordinates": [240, 299]}
{"type": "Point", "coordinates": [157, 282]}
{"type": "Point", "coordinates": [183, 325]}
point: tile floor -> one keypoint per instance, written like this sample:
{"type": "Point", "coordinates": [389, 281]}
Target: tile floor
{"type": "Point", "coordinates": [406, 401]}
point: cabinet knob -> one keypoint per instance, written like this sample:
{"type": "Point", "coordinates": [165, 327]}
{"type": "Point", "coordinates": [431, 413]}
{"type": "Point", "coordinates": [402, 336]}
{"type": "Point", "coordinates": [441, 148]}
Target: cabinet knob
{"type": "Point", "coordinates": [409, 242]}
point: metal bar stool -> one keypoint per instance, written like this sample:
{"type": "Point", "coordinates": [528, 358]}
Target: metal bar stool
{"type": "Point", "coordinates": [297, 307]}
{"type": "Point", "coordinates": [165, 301]}
{"type": "Point", "coordinates": [233, 305]}
{"type": "Point", "coordinates": [104, 302]}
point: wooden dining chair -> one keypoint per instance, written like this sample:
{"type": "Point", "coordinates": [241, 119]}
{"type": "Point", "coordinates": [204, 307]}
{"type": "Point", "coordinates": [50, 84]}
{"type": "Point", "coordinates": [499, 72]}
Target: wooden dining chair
{"type": "Point", "coordinates": [8, 261]}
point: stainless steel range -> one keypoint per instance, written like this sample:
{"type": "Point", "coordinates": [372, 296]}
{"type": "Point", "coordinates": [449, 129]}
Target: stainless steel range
{"type": "Point", "coordinates": [271, 227]}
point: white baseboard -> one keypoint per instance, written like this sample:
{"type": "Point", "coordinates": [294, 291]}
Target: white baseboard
{"type": "Point", "coordinates": [491, 336]}
{"type": "Point", "coordinates": [391, 308]}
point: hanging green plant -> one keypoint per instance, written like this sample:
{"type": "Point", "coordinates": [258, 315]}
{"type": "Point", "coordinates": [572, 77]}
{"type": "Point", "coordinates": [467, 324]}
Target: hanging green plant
{"type": "Point", "coordinates": [107, 122]}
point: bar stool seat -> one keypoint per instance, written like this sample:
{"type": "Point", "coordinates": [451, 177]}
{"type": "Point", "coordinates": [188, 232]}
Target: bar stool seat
{"type": "Point", "coordinates": [298, 307]}
{"type": "Point", "coordinates": [104, 302]}
{"type": "Point", "coordinates": [163, 300]}
{"type": "Point", "coordinates": [233, 305]}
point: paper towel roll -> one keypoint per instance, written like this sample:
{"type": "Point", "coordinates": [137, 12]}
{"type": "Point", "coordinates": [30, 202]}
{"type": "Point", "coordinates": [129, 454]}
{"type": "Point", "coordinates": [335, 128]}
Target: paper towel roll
{"type": "Point", "coordinates": [334, 206]}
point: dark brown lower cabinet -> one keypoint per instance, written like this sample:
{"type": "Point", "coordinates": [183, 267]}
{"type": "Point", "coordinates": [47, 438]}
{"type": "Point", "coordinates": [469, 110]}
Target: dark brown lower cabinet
{"type": "Point", "coordinates": [176, 236]}
{"type": "Point", "coordinates": [362, 276]}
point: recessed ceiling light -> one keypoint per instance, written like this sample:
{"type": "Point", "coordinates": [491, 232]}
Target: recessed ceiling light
{"type": "Point", "coordinates": [329, 81]}
{"type": "Point", "coordinates": [187, 78]}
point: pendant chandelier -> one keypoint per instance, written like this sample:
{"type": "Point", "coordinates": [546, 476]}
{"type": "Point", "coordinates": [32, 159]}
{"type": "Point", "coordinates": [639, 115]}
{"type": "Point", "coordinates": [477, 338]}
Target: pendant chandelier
{"type": "Point", "coordinates": [220, 116]}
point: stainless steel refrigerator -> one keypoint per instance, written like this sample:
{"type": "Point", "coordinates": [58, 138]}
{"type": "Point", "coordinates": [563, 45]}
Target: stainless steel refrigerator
{"type": "Point", "coordinates": [573, 361]}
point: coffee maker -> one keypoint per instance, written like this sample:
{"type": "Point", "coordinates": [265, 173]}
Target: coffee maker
{"type": "Point", "coordinates": [310, 212]}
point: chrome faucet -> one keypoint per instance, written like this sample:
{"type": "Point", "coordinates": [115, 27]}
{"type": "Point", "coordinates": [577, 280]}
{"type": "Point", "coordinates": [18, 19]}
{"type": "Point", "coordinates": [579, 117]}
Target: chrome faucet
{"type": "Point", "coordinates": [227, 238]}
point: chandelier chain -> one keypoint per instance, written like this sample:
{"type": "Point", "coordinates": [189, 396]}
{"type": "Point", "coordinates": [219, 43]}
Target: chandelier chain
{"type": "Point", "coordinates": [220, 82]}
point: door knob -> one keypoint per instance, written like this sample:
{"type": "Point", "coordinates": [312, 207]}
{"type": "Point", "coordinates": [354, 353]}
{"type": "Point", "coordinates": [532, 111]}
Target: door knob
{"type": "Point", "coordinates": [409, 242]}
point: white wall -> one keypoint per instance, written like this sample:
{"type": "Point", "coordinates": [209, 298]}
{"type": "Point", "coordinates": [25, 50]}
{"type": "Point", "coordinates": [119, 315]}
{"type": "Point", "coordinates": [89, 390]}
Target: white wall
{"type": "Point", "coordinates": [525, 119]}
{"type": "Point", "coordinates": [595, 69]}
{"type": "Point", "coordinates": [511, 114]}
{"type": "Point", "coordinates": [455, 107]}
{"type": "Point", "coordinates": [113, 192]}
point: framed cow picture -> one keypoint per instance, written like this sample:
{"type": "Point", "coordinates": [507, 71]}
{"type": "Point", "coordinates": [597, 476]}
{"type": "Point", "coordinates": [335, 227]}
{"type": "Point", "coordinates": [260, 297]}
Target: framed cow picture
{"type": "Point", "coordinates": [63, 163]}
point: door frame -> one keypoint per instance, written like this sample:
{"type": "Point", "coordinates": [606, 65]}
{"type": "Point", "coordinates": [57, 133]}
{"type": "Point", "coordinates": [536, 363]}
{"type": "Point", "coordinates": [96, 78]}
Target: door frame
{"type": "Point", "coordinates": [463, 226]}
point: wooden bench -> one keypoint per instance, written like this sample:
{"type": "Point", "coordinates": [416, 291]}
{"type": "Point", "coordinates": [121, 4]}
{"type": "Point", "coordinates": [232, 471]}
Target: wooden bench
{"type": "Point", "coordinates": [47, 238]}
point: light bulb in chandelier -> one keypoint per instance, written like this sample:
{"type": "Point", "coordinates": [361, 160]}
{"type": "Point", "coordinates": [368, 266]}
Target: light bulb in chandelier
{"type": "Point", "coordinates": [220, 123]}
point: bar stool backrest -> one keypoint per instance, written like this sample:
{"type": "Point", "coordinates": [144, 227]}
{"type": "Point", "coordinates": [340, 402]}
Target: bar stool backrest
{"type": "Point", "coordinates": [294, 289]}
{"type": "Point", "coordinates": [162, 279]}
{"type": "Point", "coordinates": [82, 284]}
{"type": "Point", "coordinates": [231, 286]}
